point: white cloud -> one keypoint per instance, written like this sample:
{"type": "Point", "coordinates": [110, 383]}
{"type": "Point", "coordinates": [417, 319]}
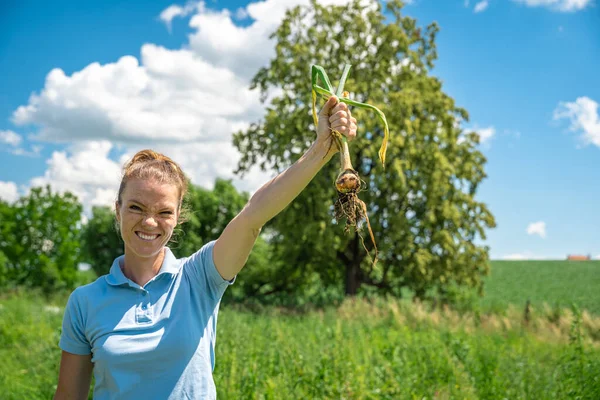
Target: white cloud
{"type": "Point", "coordinates": [242, 49]}
{"type": "Point", "coordinates": [537, 228]}
{"type": "Point", "coordinates": [14, 140]}
{"type": "Point", "coordinates": [485, 134]}
{"type": "Point", "coordinates": [528, 255]}
{"type": "Point", "coordinates": [174, 96]}
{"type": "Point", "coordinates": [241, 14]}
{"type": "Point", "coordinates": [183, 102]}
{"type": "Point", "coordinates": [34, 152]}
{"type": "Point", "coordinates": [169, 13]}
{"type": "Point", "coordinates": [558, 5]}
{"type": "Point", "coordinates": [515, 256]}
{"type": "Point", "coordinates": [481, 6]}
{"type": "Point", "coordinates": [204, 163]}
{"type": "Point", "coordinates": [11, 138]}
{"type": "Point", "coordinates": [583, 115]}
{"type": "Point", "coordinates": [8, 191]}
{"type": "Point", "coordinates": [466, 3]}
{"type": "Point", "coordinates": [84, 170]}
{"type": "Point", "coordinates": [597, 257]}
{"type": "Point", "coordinates": [197, 93]}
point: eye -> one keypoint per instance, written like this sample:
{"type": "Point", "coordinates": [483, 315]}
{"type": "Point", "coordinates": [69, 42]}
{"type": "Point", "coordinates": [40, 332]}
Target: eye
{"type": "Point", "coordinates": [166, 213]}
{"type": "Point", "coordinates": [135, 208]}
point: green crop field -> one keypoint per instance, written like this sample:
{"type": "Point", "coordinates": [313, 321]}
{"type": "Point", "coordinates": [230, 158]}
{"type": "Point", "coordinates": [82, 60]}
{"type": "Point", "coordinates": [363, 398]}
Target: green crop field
{"type": "Point", "coordinates": [387, 350]}
{"type": "Point", "coordinates": [555, 283]}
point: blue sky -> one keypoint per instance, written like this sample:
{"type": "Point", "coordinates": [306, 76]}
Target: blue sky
{"type": "Point", "coordinates": [526, 71]}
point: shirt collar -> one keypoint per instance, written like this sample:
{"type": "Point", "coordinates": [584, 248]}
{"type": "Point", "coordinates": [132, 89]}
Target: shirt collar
{"type": "Point", "coordinates": [116, 277]}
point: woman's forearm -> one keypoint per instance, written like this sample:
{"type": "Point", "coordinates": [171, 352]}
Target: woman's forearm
{"type": "Point", "coordinates": [275, 195]}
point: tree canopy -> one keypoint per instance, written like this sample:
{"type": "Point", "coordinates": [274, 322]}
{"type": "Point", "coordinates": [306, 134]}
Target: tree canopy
{"type": "Point", "coordinates": [40, 240]}
{"type": "Point", "coordinates": [423, 205]}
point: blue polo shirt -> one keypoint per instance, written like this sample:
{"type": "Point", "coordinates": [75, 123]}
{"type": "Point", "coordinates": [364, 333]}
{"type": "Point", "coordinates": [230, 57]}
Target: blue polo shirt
{"type": "Point", "coordinates": [150, 342]}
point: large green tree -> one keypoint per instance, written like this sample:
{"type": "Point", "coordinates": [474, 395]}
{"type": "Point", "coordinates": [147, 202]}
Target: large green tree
{"type": "Point", "coordinates": [7, 238]}
{"type": "Point", "coordinates": [422, 207]}
{"type": "Point", "coordinates": [43, 249]}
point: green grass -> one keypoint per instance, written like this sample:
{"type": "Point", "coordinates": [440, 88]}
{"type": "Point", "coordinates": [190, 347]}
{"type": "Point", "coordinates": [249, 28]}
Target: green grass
{"type": "Point", "coordinates": [556, 283]}
{"type": "Point", "coordinates": [29, 334]}
{"type": "Point", "coordinates": [388, 350]}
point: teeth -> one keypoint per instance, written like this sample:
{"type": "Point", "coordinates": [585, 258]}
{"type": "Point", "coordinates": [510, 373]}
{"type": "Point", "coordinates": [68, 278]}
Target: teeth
{"type": "Point", "coordinates": [147, 237]}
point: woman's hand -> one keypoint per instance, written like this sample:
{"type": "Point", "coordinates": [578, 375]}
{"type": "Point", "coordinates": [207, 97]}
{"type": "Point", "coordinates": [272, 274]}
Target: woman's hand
{"type": "Point", "coordinates": [334, 116]}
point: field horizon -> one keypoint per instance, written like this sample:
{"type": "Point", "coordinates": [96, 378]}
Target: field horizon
{"type": "Point", "coordinates": [557, 283]}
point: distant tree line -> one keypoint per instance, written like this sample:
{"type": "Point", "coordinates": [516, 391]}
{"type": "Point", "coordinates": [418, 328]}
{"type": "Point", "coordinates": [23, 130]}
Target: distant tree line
{"type": "Point", "coordinates": [44, 239]}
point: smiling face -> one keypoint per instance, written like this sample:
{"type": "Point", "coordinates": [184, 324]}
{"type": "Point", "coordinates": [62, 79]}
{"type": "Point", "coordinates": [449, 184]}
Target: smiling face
{"type": "Point", "coordinates": [147, 214]}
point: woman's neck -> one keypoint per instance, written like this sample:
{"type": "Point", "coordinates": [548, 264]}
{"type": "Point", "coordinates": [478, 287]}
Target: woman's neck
{"type": "Point", "coordinates": [141, 269]}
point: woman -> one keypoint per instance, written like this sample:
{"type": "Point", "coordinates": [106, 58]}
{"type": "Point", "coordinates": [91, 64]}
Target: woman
{"type": "Point", "coordinates": [148, 328]}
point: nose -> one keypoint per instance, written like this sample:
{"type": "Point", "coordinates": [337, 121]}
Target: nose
{"type": "Point", "coordinates": [149, 220]}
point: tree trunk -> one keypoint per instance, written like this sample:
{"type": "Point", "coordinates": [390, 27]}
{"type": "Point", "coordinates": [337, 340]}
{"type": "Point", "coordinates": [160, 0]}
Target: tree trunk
{"type": "Point", "coordinates": [352, 279]}
{"type": "Point", "coordinates": [353, 276]}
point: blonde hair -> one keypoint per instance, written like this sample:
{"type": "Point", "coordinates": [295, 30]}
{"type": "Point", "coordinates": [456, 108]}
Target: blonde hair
{"type": "Point", "coordinates": [148, 164]}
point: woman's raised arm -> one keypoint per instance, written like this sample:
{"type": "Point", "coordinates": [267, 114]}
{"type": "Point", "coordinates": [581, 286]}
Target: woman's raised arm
{"type": "Point", "coordinates": [233, 247]}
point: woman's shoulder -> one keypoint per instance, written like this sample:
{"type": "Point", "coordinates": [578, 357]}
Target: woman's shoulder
{"type": "Point", "coordinates": [91, 290]}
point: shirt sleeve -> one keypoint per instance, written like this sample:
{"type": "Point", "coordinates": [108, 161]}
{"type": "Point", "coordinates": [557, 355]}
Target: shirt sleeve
{"type": "Point", "coordinates": [203, 271]}
{"type": "Point", "coordinates": [72, 338]}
